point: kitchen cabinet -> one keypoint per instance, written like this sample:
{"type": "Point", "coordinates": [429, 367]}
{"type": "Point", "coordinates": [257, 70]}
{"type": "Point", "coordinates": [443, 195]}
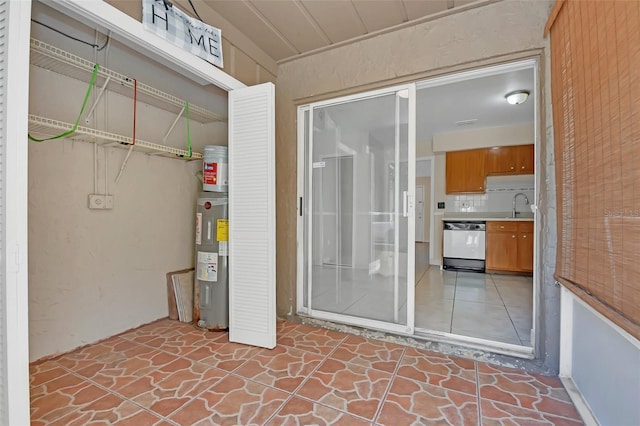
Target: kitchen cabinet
{"type": "Point", "coordinates": [509, 160]}
{"type": "Point", "coordinates": [509, 246]}
{"type": "Point", "coordinates": [525, 247]}
{"type": "Point", "coordinates": [465, 171]}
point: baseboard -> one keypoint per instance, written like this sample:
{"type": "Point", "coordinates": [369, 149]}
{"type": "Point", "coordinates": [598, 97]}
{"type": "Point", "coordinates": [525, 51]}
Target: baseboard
{"type": "Point", "coordinates": [580, 403]}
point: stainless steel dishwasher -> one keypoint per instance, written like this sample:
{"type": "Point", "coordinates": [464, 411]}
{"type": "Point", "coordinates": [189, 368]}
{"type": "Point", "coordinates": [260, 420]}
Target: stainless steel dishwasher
{"type": "Point", "coordinates": [464, 245]}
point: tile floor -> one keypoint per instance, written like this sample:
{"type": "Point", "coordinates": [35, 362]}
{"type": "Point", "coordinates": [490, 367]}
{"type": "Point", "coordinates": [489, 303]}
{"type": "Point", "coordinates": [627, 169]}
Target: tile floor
{"type": "Point", "coordinates": [488, 306]}
{"type": "Point", "coordinates": [168, 373]}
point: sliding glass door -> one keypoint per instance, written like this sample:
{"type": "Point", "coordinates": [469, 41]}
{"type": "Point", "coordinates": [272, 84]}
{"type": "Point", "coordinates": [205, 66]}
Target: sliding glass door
{"type": "Point", "coordinates": [356, 263]}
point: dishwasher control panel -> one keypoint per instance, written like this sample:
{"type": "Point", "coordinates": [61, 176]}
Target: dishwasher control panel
{"type": "Point", "coordinates": [465, 226]}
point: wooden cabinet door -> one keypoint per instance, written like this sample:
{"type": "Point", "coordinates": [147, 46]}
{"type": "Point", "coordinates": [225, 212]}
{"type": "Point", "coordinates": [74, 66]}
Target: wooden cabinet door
{"type": "Point", "coordinates": [510, 160]}
{"type": "Point", "coordinates": [525, 251]}
{"type": "Point", "coordinates": [499, 161]}
{"type": "Point", "coordinates": [465, 171]}
{"type": "Point", "coordinates": [501, 251]}
{"type": "Point", "coordinates": [525, 246]}
{"type": "Point", "coordinates": [524, 159]}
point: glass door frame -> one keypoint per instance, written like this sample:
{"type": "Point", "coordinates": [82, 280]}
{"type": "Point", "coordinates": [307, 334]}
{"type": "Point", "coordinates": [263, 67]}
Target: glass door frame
{"type": "Point", "coordinates": [304, 208]}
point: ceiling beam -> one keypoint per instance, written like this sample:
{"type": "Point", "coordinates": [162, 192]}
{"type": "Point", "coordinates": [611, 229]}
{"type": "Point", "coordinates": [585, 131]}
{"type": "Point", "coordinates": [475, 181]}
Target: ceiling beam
{"type": "Point", "coordinates": [362, 24]}
{"type": "Point", "coordinates": [271, 27]}
{"type": "Point", "coordinates": [403, 11]}
{"type": "Point", "coordinates": [314, 24]}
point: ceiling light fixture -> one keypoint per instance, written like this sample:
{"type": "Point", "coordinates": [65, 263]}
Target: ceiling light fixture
{"type": "Point", "coordinates": [517, 97]}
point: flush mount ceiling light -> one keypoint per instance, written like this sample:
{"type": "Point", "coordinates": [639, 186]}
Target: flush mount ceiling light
{"type": "Point", "coordinates": [517, 97]}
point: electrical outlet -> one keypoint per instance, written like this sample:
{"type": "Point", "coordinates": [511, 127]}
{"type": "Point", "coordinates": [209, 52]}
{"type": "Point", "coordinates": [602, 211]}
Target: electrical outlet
{"type": "Point", "coordinates": [100, 202]}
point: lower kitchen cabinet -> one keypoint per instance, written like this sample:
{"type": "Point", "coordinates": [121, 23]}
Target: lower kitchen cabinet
{"type": "Point", "coordinates": [525, 249]}
{"type": "Point", "coordinates": [509, 246]}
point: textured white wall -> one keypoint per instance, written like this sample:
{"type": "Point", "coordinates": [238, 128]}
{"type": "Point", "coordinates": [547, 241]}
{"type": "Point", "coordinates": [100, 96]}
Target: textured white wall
{"type": "Point", "coordinates": [457, 41]}
{"type": "Point", "coordinates": [93, 274]}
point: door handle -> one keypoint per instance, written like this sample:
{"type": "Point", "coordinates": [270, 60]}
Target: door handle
{"type": "Point", "coordinates": [407, 204]}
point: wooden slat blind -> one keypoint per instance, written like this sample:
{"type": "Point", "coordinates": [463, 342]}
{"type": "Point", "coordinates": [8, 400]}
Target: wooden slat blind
{"type": "Point", "coordinates": [595, 81]}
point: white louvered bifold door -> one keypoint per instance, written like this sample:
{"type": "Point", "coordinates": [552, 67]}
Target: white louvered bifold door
{"type": "Point", "coordinates": [252, 220]}
{"type": "Point", "coordinates": [14, 94]}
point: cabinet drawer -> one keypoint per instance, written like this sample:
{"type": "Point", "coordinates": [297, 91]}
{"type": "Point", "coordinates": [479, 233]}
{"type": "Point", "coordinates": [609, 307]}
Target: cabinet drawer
{"type": "Point", "coordinates": [525, 226]}
{"type": "Point", "coordinates": [496, 226]}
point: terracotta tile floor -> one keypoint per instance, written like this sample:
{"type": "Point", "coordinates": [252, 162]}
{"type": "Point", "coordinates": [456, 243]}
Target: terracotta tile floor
{"type": "Point", "coordinates": [168, 373]}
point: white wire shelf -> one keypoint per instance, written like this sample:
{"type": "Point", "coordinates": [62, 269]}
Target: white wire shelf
{"type": "Point", "coordinates": [41, 127]}
{"type": "Point", "coordinates": [51, 58]}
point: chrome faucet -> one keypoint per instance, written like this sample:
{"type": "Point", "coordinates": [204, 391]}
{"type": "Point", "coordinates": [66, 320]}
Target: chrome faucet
{"type": "Point", "coordinates": [514, 213]}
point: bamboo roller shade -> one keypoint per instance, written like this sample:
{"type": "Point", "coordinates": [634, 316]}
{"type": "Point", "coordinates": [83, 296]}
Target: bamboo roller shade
{"type": "Point", "coordinates": [595, 80]}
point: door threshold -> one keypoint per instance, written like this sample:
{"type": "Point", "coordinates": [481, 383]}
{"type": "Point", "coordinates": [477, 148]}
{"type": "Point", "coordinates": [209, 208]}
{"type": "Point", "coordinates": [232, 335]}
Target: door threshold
{"type": "Point", "coordinates": [493, 346]}
{"type": "Point", "coordinates": [505, 354]}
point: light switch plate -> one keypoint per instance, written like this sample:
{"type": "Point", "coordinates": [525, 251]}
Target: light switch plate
{"type": "Point", "coordinates": [100, 202]}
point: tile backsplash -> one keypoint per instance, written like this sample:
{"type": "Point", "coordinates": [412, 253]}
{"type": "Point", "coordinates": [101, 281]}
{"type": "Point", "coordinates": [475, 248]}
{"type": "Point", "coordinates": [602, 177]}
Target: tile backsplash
{"type": "Point", "coordinates": [498, 198]}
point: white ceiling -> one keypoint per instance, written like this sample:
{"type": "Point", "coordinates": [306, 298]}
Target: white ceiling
{"type": "Point", "coordinates": [287, 28]}
{"type": "Point", "coordinates": [439, 108]}
{"type": "Point", "coordinates": [482, 99]}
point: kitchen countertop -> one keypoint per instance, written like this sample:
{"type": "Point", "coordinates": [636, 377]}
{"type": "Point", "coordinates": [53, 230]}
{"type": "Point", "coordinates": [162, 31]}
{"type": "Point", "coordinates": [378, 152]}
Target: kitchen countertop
{"type": "Point", "coordinates": [486, 217]}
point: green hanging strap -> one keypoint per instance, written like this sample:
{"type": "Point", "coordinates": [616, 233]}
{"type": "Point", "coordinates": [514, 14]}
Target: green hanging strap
{"type": "Point", "coordinates": [188, 131]}
{"type": "Point", "coordinates": [84, 104]}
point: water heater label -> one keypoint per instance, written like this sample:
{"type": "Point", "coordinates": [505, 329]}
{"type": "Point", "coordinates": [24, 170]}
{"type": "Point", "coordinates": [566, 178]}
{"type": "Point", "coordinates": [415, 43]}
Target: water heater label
{"type": "Point", "coordinates": [223, 248]}
{"type": "Point", "coordinates": [207, 266]}
{"type": "Point", "coordinates": [210, 173]}
{"type": "Point", "coordinates": [215, 174]}
{"type": "Point", "coordinates": [222, 230]}
{"type": "Point", "coordinates": [198, 228]}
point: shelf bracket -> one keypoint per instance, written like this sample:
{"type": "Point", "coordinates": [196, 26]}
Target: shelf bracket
{"type": "Point", "coordinates": [124, 163]}
{"type": "Point", "coordinates": [164, 140]}
{"type": "Point", "coordinates": [95, 104]}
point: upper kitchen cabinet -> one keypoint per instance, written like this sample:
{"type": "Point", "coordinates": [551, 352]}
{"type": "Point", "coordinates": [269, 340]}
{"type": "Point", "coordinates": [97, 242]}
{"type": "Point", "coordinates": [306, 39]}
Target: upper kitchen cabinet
{"type": "Point", "coordinates": [510, 160]}
{"type": "Point", "coordinates": [465, 171]}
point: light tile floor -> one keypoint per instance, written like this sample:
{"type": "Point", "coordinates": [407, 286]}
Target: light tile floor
{"type": "Point", "coordinates": [488, 306]}
{"type": "Point", "coordinates": [168, 373]}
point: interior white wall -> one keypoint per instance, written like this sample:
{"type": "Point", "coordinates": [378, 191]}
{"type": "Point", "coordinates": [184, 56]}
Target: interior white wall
{"type": "Point", "coordinates": [93, 274]}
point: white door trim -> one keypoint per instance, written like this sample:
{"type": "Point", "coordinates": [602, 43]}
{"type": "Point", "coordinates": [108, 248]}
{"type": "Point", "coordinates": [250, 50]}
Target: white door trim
{"type": "Point", "coordinates": [14, 254]}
